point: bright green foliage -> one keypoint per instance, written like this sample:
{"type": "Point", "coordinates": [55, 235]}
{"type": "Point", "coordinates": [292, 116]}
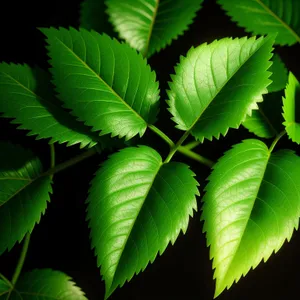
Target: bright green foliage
{"type": "Point", "coordinates": [46, 284]}
{"type": "Point", "coordinates": [217, 85]}
{"type": "Point", "coordinates": [93, 16]}
{"type": "Point", "coordinates": [26, 95]}
{"type": "Point", "coordinates": [251, 205]}
{"type": "Point", "coordinates": [266, 17]}
{"type": "Point", "coordinates": [151, 25]}
{"type": "Point", "coordinates": [106, 84]}
{"type": "Point", "coordinates": [279, 75]}
{"type": "Point", "coordinates": [23, 198]}
{"type": "Point", "coordinates": [291, 109]}
{"type": "Point", "coordinates": [267, 121]}
{"type": "Point", "coordinates": [137, 205]}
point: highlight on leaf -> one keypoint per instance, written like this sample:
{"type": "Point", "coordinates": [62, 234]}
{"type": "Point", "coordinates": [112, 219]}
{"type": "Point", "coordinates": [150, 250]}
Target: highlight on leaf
{"type": "Point", "coordinates": [107, 85]}
{"type": "Point", "coordinates": [27, 96]}
{"type": "Point", "coordinates": [266, 122]}
{"type": "Point", "coordinates": [135, 208]}
{"type": "Point", "coordinates": [93, 16]}
{"type": "Point", "coordinates": [291, 109]}
{"type": "Point", "coordinates": [43, 284]}
{"type": "Point", "coordinates": [23, 194]}
{"type": "Point", "coordinates": [267, 17]}
{"type": "Point", "coordinates": [151, 25]}
{"type": "Point", "coordinates": [251, 206]}
{"type": "Point", "coordinates": [217, 85]}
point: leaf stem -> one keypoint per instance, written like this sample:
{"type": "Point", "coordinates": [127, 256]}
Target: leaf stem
{"type": "Point", "coordinates": [191, 145]}
{"type": "Point", "coordinates": [176, 146]}
{"type": "Point", "coordinates": [21, 260]}
{"type": "Point", "coordinates": [184, 150]}
{"type": "Point", "coordinates": [162, 135]}
{"type": "Point", "coordinates": [277, 138]}
{"type": "Point", "coordinates": [70, 162]}
{"type": "Point", "coordinates": [6, 280]}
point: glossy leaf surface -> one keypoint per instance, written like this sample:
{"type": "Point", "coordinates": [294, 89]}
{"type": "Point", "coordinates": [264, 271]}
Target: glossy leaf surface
{"type": "Point", "coordinates": [251, 206]}
{"type": "Point", "coordinates": [93, 16]}
{"type": "Point", "coordinates": [106, 84]}
{"type": "Point", "coordinates": [279, 75]}
{"type": "Point", "coordinates": [291, 109]}
{"type": "Point", "coordinates": [267, 17]}
{"type": "Point", "coordinates": [44, 284]}
{"type": "Point", "coordinates": [267, 121]}
{"type": "Point", "coordinates": [23, 198]}
{"type": "Point", "coordinates": [26, 96]}
{"type": "Point", "coordinates": [150, 25]}
{"type": "Point", "coordinates": [217, 85]}
{"type": "Point", "coordinates": [136, 206]}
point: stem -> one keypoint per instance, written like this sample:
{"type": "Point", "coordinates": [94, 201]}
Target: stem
{"type": "Point", "coordinates": [6, 280]}
{"type": "Point", "coordinates": [195, 156]}
{"type": "Point", "coordinates": [277, 138]}
{"type": "Point", "coordinates": [70, 162]}
{"type": "Point", "coordinates": [161, 134]}
{"type": "Point", "coordinates": [21, 260]}
{"type": "Point", "coordinates": [175, 147]}
{"type": "Point", "coordinates": [191, 145]}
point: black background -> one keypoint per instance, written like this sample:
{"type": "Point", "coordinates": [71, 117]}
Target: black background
{"type": "Point", "coordinates": [61, 240]}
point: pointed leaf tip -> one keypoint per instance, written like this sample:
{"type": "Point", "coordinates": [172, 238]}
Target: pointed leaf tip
{"type": "Point", "coordinates": [85, 75]}
{"type": "Point", "coordinates": [220, 90]}
{"type": "Point", "coordinates": [249, 208]}
{"type": "Point", "coordinates": [137, 207]}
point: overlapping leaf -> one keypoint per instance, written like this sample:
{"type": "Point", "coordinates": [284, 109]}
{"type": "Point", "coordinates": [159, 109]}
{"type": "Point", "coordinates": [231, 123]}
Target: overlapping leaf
{"type": "Point", "coordinates": [267, 121]}
{"type": "Point", "coordinates": [150, 25]}
{"type": "Point", "coordinates": [251, 205]}
{"type": "Point", "coordinates": [26, 96]}
{"type": "Point", "coordinates": [266, 17]}
{"type": "Point", "coordinates": [291, 109]}
{"type": "Point", "coordinates": [46, 284]}
{"type": "Point", "coordinates": [136, 206]}
{"type": "Point", "coordinates": [23, 197]}
{"type": "Point", "coordinates": [217, 85]}
{"type": "Point", "coordinates": [279, 75]}
{"type": "Point", "coordinates": [106, 84]}
{"type": "Point", "coordinates": [93, 16]}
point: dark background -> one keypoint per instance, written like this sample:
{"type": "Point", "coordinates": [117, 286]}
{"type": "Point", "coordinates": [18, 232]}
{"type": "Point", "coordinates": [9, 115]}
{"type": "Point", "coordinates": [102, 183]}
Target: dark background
{"type": "Point", "coordinates": [61, 240]}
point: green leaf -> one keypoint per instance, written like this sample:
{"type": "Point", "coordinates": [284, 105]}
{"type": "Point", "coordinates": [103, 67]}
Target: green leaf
{"type": "Point", "coordinates": [279, 75]}
{"type": "Point", "coordinates": [217, 85]}
{"type": "Point", "coordinates": [291, 109]}
{"type": "Point", "coordinates": [267, 121]}
{"type": "Point", "coordinates": [136, 206]}
{"type": "Point", "coordinates": [26, 96]}
{"type": "Point", "coordinates": [106, 84]}
{"type": "Point", "coordinates": [93, 16]}
{"type": "Point", "coordinates": [4, 289]}
{"type": "Point", "coordinates": [151, 25]}
{"type": "Point", "coordinates": [46, 284]}
{"type": "Point", "coordinates": [23, 195]}
{"type": "Point", "coordinates": [251, 205]}
{"type": "Point", "coordinates": [267, 17]}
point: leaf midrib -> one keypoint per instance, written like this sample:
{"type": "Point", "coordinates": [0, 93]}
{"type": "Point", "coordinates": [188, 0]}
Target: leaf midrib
{"type": "Point", "coordinates": [284, 24]}
{"type": "Point", "coordinates": [151, 28]}
{"type": "Point", "coordinates": [100, 79]}
{"type": "Point", "coordinates": [248, 219]}
{"type": "Point", "coordinates": [133, 224]}
{"type": "Point", "coordinates": [188, 131]}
